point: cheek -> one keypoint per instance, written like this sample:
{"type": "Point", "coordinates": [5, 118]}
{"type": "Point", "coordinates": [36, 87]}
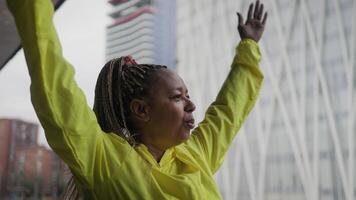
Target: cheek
{"type": "Point", "coordinates": [175, 123]}
{"type": "Point", "coordinates": [169, 117]}
{"type": "Point", "coordinates": [173, 115]}
{"type": "Point", "coordinates": [170, 125]}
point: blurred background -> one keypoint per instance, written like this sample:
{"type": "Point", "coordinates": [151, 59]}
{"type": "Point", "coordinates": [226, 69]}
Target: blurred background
{"type": "Point", "coordinates": [299, 141]}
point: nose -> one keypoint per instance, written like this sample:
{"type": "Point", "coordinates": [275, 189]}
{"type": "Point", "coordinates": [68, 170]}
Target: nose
{"type": "Point", "coordinates": [189, 106]}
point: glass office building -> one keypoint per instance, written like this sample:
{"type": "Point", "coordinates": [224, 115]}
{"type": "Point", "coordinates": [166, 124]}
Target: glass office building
{"type": "Point", "coordinates": [144, 29]}
{"type": "Point", "coordinates": [299, 142]}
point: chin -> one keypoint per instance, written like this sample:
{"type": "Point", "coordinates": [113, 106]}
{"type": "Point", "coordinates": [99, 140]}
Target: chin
{"type": "Point", "coordinates": [181, 137]}
{"type": "Point", "coordinates": [184, 136]}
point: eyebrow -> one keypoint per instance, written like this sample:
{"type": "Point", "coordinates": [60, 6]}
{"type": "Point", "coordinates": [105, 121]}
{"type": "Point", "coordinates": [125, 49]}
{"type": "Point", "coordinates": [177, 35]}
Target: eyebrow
{"type": "Point", "coordinates": [181, 89]}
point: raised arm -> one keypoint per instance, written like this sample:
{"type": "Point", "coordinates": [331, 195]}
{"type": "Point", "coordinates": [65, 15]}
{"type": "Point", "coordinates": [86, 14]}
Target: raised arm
{"type": "Point", "coordinates": [70, 125]}
{"type": "Point", "coordinates": [237, 96]}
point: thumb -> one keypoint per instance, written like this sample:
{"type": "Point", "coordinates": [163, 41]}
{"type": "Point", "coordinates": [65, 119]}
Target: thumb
{"type": "Point", "coordinates": [241, 19]}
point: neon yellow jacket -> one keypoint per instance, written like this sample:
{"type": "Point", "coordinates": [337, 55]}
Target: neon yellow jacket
{"type": "Point", "coordinates": [105, 166]}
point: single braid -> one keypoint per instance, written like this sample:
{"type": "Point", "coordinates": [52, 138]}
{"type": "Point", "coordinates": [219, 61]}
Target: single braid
{"type": "Point", "coordinates": [125, 130]}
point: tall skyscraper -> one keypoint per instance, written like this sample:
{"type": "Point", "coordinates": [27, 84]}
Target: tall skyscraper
{"type": "Point", "coordinates": [299, 141]}
{"type": "Point", "coordinates": [144, 29]}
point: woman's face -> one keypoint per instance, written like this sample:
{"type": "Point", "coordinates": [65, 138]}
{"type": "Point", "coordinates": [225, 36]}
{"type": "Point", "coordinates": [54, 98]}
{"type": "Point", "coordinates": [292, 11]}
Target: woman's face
{"type": "Point", "coordinates": [170, 110]}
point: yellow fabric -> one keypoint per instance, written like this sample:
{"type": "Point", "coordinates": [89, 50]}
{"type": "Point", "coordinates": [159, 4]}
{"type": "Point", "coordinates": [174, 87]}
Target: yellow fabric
{"type": "Point", "coordinates": [105, 165]}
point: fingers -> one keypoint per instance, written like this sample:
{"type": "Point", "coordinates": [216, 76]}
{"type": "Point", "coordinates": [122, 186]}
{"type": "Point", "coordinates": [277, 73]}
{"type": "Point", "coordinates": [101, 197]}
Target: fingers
{"type": "Point", "coordinates": [249, 14]}
{"type": "Point", "coordinates": [257, 7]}
{"type": "Point", "coordinates": [241, 19]}
{"type": "Point", "coordinates": [260, 12]}
{"type": "Point", "coordinates": [255, 11]}
{"type": "Point", "coordinates": [264, 19]}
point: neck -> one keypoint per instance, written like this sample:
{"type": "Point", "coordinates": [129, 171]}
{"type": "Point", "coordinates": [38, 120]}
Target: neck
{"type": "Point", "coordinates": [155, 151]}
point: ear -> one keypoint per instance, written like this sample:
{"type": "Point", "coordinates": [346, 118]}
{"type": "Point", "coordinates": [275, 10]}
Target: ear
{"type": "Point", "coordinates": [139, 110]}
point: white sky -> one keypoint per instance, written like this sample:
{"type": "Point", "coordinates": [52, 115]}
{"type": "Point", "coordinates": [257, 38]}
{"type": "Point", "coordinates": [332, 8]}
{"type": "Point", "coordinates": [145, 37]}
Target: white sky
{"type": "Point", "coordinates": [81, 27]}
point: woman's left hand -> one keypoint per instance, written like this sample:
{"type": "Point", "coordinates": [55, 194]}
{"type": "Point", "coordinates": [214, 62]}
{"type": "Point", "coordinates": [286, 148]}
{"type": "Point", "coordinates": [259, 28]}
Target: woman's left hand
{"type": "Point", "coordinates": [254, 25]}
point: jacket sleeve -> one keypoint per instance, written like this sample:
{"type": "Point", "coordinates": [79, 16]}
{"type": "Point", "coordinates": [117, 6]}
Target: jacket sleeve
{"type": "Point", "coordinates": [70, 125]}
{"type": "Point", "coordinates": [226, 114]}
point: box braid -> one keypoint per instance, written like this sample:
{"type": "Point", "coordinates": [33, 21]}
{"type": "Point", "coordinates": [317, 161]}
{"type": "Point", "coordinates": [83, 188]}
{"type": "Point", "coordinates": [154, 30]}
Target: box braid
{"type": "Point", "coordinates": [119, 82]}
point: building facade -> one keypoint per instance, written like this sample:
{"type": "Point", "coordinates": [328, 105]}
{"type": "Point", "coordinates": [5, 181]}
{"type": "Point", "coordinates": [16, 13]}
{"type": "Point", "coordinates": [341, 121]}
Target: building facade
{"type": "Point", "coordinates": [27, 170]}
{"type": "Point", "coordinates": [14, 134]}
{"type": "Point", "coordinates": [299, 140]}
{"type": "Point", "coordinates": [144, 29]}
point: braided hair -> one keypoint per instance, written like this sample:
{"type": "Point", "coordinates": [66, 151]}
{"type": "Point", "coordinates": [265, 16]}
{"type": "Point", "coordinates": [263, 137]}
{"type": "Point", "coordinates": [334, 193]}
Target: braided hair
{"type": "Point", "coordinates": [120, 81]}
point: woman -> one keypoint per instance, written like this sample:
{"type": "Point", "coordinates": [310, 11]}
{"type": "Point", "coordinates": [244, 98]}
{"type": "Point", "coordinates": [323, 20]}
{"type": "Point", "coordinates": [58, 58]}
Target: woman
{"type": "Point", "coordinates": [137, 142]}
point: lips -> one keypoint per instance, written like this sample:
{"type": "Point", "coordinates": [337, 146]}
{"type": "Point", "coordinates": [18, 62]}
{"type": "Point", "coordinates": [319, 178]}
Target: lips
{"type": "Point", "coordinates": [190, 123]}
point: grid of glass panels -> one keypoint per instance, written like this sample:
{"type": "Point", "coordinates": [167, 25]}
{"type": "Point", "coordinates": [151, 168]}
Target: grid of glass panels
{"type": "Point", "coordinates": [299, 141]}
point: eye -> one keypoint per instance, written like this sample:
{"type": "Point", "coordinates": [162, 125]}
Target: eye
{"type": "Point", "coordinates": [177, 97]}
